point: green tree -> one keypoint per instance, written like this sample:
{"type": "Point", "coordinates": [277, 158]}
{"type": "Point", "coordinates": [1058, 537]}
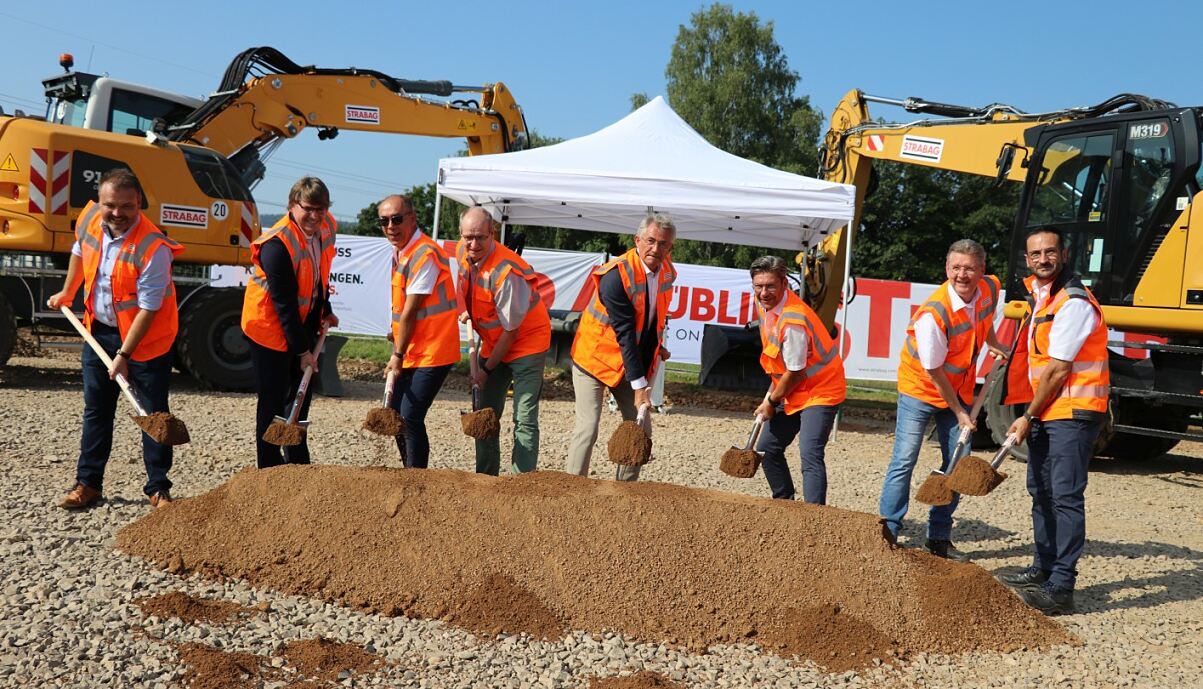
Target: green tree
{"type": "Point", "coordinates": [729, 79]}
{"type": "Point", "coordinates": [916, 212]}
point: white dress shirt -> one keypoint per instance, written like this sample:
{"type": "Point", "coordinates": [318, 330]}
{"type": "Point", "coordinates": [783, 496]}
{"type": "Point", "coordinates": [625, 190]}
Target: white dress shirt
{"type": "Point", "coordinates": [794, 343]}
{"type": "Point", "coordinates": [424, 280]}
{"type": "Point", "coordinates": [1073, 324]}
{"type": "Point", "coordinates": [931, 342]}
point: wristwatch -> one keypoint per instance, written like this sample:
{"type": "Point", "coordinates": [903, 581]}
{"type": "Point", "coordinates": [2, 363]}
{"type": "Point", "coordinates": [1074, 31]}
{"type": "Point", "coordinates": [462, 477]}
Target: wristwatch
{"type": "Point", "coordinates": [1029, 417]}
{"type": "Point", "coordinates": [121, 352]}
{"type": "Point", "coordinates": [485, 367]}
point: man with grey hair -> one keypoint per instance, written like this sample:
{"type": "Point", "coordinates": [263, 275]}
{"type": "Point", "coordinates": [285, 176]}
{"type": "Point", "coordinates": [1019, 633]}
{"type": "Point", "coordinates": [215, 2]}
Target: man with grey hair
{"type": "Point", "coordinates": [807, 372]}
{"type": "Point", "coordinates": [936, 378]}
{"type": "Point", "coordinates": [618, 343]}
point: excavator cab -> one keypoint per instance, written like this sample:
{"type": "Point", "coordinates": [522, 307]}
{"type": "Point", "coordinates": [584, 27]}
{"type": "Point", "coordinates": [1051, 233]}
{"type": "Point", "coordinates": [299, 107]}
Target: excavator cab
{"type": "Point", "coordinates": [1115, 186]}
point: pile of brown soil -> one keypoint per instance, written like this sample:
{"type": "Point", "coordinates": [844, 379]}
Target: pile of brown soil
{"type": "Point", "coordinates": [975, 476]}
{"type": "Point", "coordinates": [837, 641]}
{"type": "Point", "coordinates": [498, 604]}
{"type": "Point", "coordinates": [189, 609]}
{"type": "Point", "coordinates": [740, 463]}
{"type": "Point", "coordinates": [596, 554]}
{"type": "Point", "coordinates": [164, 427]}
{"type": "Point", "coordinates": [629, 445]}
{"type": "Point", "coordinates": [934, 490]}
{"type": "Point", "coordinates": [210, 668]}
{"type": "Point", "coordinates": [384, 421]}
{"type": "Point", "coordinates": [325, 659]}
{"type": "Point", "coordinates": [480, 424]}
{"type": "Point", "coordinates": [642, 680]}
{"type": "Point", "coordinates": [284, 434]}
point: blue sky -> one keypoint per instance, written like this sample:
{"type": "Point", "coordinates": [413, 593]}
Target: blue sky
{"type": "Point", "coordinates": [573, 66]}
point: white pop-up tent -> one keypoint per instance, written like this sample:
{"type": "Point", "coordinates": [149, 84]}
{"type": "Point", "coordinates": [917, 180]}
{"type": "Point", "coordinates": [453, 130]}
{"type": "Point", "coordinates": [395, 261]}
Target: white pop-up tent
{"type": "Point", "coordinates": [650, 160]}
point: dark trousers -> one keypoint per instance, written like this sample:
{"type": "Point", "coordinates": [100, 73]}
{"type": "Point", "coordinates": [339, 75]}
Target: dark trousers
{"type": "Point", "coordinates": [812, 426]}
{"type": "Point", "coordinates": [278, 375]}
{"type": "Point", "coordinates": [1058, 456]}
{"type": "Point", "coordinates": [413, 394]}
{"type": "Point", "coordinates": [151, 381]}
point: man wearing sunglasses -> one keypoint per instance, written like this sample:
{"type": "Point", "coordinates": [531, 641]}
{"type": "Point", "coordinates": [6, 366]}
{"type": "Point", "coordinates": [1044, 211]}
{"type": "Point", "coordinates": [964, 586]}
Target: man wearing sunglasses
{"type": "Point", "coordinates": [287, 301]}
{"type": "Point", "coordinates": [502, 297]}
{"type": "Point", "coordinates": [424, 330]}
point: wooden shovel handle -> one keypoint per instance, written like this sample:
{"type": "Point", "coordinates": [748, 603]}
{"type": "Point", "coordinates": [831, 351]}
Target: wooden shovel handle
{"type": "Point", "coordinates": [108, 361]}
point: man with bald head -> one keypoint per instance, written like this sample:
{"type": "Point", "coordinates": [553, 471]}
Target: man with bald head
{"type": "Point", "coordinates": [501, 295]}
{"type": "Point", "coordinates": [424, 332]}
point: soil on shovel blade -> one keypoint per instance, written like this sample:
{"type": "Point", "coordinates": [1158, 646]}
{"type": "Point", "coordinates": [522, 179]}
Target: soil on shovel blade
{"type": "Point", "coordinates": [548, 551]}
{"type": "Point", "coordinates": [629, 445]}
{"type": "Point", "coordinates": [480, 424]}
{"type": "Point", "coordinates": [739, 463]}
{"type": "Point", "coordinates": [284, 434]}
{"type": "Point", "coordinates": [974, 476]}
{"type": "Point", "coordinates": [935, 490]}
{"type": "Point", "coordinates": [164, 427]}
{"type": "Point", "coordinates": [384, 421]}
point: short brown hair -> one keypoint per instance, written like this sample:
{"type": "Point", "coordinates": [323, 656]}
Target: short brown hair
{"type": "Point", "coordinates": [310, 190]}
{"type": "Point", "coordinates": [770, 264]}
{"type": "Point", "coordinates": [121, 178]}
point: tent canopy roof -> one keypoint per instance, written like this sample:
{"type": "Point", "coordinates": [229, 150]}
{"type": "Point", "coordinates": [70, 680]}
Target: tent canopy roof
{"type": "Point", "coordinates": [651, 160]}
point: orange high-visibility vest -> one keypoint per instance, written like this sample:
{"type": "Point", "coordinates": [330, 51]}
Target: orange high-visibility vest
{"type": "Point", "coordinates": [824, 382]}
{"type": "Point", "coordinates": [137, 248]}
{"type": "Point", "coordinates": [1089, 384]}
{"type": "Point", "coordinates": [595, 347]}
{"type": "Point", "coordinates": [534, 334]}
{"type": "Point", "coordinates": [965, 341]}
{"type": "Point", "coordinates": [259, 319]}
{"type": "Point", "coordinates": [435, 340]}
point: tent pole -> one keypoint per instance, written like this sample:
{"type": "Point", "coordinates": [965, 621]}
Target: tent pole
{"type": "Point", "coordinates": [438, 205]}
{"type": "Point", "coordinates": [504, 226]}
{"type": "Point", "coordinates": [839, 342]}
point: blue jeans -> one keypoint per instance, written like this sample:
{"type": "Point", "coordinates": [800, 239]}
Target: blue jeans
{"type": "Point", "coordinates": [812, 426]}
{"type": "Point", "coordinates": [913, 415]}
{"type": "Point", "coordinates": [1058, 456]}
{"type": "Point", "coordinates": [413, 393]}
{"type": "Point", "coordinates": [151, 380]}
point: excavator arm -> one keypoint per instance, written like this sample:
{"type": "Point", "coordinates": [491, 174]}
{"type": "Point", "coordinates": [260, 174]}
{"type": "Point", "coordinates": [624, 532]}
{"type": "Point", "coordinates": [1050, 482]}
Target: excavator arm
{"type": "Point", "coordinates": [265, 97]}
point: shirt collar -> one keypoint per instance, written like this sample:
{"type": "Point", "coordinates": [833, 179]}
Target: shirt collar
{"type": "Point", "coordinates": [955, 299]}
{"type": "Point", "coordinates": [412, 239]}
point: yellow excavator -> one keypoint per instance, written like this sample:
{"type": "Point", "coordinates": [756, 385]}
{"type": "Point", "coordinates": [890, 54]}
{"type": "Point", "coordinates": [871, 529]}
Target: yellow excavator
{"type": "Point", "coordinates": [198, 160]}
{"type": "Point", "coordinates": [1120, 179]}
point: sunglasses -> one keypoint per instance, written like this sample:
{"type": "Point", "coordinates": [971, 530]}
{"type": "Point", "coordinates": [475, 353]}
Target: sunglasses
{"type": "Point", "coordinates": [392, 219]}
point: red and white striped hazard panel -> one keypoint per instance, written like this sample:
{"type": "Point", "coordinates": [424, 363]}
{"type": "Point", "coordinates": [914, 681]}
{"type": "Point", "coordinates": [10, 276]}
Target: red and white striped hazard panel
{"type": "Point", "coordinates": [247, 234]}
{"type": "Point", "coordinates": [876, 143]}
{"type": "Point", "coordinates": [48, 181]}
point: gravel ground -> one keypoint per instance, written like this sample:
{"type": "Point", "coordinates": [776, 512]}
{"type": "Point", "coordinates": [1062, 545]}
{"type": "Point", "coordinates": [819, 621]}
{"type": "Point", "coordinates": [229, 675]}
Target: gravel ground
{"type": "Point", "coordinates": [68, 617]}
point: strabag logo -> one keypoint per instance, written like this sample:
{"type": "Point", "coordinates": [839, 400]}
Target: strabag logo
{"type": "Point", "coordinates": [183, 216]}
{"type": "Point", "coordinates": [363, 114]}
{"type": "Point", "coordinates": [920, 148]}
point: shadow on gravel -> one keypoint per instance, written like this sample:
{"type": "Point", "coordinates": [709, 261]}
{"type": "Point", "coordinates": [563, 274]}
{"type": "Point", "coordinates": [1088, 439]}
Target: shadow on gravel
{"type": "Point", "coordinates": [39, 377]}
{"type": "Point", "coordinates": [1166, 464]}
{"type": "Point", "coordinates": [1184, 583]}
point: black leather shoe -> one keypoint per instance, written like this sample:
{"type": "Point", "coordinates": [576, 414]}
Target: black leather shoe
{"type": "Point", "coordinates": [1029, 578]}
{"type": "Point", "coordinates": [1048, 600]}
{"type": "Point", "coordinates": [944, 549]}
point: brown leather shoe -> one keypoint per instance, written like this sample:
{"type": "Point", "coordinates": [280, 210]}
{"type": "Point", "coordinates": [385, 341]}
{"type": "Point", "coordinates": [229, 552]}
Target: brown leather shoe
{"type": "Point", "coordinates": [160, 499]}
{"type": "Point", "coordinates": [80, 497]}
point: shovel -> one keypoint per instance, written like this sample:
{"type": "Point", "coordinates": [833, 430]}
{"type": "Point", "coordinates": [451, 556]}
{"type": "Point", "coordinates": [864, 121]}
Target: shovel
{"type": "Point", "coordinates": [478, 423]}
{"type": "Point", "coordinates": [742, 462]}
{"type": "Point", "coordinates": [163, 427]}
{"type": "Point", "coordinates": [290, 431]}
{"type": "Point", "coordinates": [935, 490]}
{"type": "Point", "coordinates": [384, 420]}
{"type": "Point", "coordinates": [975, 476]}
{"type": "Point", "coordinates": [631, 443]}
